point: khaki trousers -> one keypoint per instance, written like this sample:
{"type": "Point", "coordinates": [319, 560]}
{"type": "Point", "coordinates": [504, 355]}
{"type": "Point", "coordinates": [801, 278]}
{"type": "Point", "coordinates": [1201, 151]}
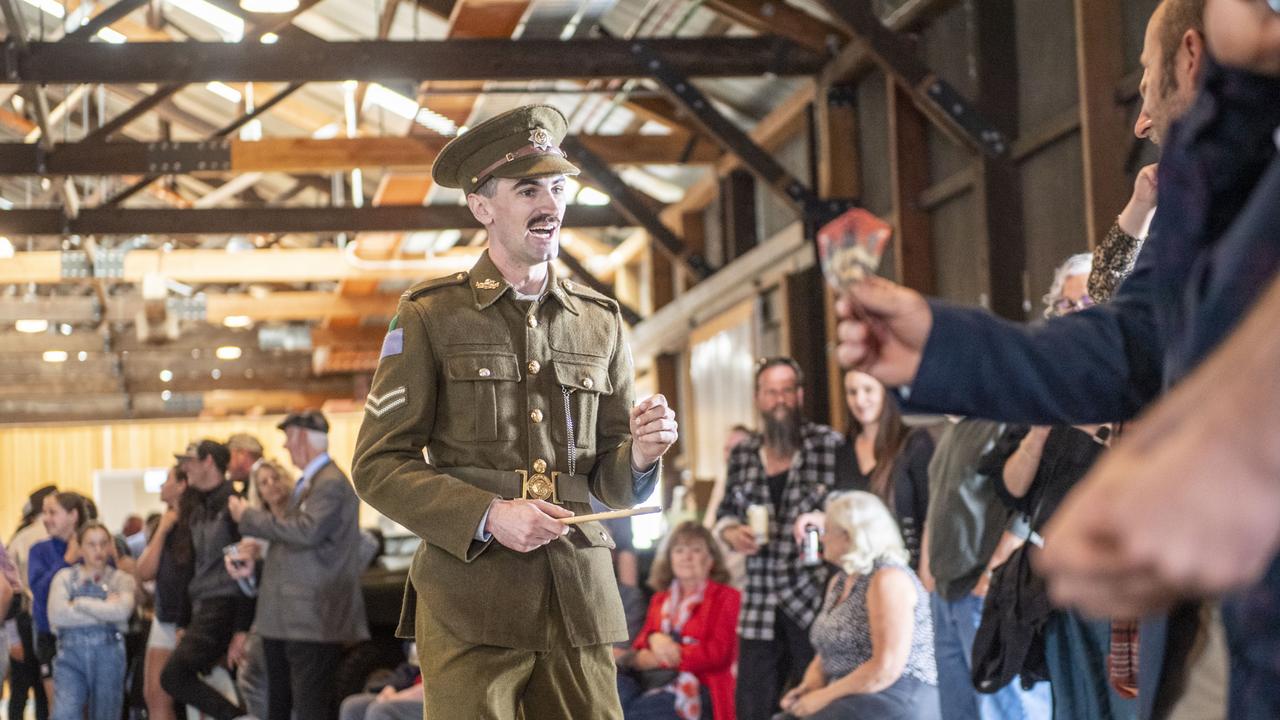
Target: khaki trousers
{"type": "Point", "coordinates": [461, 681]}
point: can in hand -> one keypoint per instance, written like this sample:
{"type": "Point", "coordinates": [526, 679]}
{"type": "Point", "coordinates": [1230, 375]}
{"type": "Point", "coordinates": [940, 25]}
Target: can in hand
{"type": "Point", "coordinates": [811, 550]}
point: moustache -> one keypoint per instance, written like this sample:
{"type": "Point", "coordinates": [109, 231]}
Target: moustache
{"type": "Point", "coordinates": [543, 220]}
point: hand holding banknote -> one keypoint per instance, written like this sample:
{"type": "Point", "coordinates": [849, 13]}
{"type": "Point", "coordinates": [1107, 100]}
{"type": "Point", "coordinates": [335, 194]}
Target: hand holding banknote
{"type": "Point", "coordinates": [882, 326]}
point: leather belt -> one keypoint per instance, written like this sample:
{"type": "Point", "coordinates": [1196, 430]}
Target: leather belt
{"type": "Point", "coordinates": [519, 484]}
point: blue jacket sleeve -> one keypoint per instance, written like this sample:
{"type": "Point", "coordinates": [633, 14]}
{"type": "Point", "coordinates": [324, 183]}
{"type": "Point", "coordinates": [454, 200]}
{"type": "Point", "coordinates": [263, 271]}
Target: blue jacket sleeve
{"type": "Point", "coordinates": [42, 565]}
{"type": "Point", "coordinates": [1099, 365]}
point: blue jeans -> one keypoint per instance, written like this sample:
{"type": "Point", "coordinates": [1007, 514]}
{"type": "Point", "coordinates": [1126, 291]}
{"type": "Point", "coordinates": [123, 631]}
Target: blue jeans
{"type": "Point", "coordinates": [955, 622]}
{"type": "Point", "coordinates": [89, 673]}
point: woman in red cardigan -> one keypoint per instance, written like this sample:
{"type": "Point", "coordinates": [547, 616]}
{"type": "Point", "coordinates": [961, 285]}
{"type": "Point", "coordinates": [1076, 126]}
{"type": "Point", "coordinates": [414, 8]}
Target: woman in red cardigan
{"type": "Point", "coordinates": [691, 629]}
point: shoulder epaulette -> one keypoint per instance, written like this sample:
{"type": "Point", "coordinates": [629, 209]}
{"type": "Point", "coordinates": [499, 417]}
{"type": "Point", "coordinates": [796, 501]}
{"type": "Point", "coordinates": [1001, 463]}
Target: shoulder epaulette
{"type": "Point", "coordinates": [428, 285]}
{"type": "Point", "coordinates": [583, 291]}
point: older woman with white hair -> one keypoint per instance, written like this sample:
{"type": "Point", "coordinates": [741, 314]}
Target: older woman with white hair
{"type": "Point", "coordinates": [874, 636]}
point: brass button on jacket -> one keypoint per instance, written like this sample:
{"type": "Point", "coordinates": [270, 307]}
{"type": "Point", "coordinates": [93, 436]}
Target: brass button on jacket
{"type": "Point", "coordinates": [536, 415]}
{"type": "Point", "coordinates": [534, 367]}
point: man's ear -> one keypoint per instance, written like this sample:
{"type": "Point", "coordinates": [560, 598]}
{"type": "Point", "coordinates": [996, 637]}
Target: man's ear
{"type": "Point", "coordinates": [481, 208]}
{"type": "Point", "coordinates": [1193, 60]}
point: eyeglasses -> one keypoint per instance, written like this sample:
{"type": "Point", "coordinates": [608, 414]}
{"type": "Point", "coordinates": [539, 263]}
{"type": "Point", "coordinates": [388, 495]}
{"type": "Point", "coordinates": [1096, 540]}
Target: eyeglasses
{"type": "Point", "coordinates": [1064, 306]}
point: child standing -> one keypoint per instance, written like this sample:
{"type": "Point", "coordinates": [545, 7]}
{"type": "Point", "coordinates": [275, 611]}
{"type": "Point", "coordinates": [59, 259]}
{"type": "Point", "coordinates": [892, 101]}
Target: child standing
{"type": "Point", "coordinates": [89, 609]}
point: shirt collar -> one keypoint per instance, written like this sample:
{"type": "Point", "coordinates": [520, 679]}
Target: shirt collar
{"type": "Point", "coordinates": [488, 284]}
{"type": "Point", "coordinates": [310, 471]}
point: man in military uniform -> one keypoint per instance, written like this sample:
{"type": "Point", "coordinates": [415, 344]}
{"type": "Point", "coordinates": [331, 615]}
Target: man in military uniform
{"type": "Point", "coordinates": [520, 386]}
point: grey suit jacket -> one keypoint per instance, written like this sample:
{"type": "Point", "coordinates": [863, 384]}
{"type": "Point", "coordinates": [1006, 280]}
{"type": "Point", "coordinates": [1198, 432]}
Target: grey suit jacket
{"type": "Point", "coordinates": [311, 577]}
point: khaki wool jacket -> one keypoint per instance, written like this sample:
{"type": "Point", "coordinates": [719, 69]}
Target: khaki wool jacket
{"type": "Point", "coordinates": [493, 387]}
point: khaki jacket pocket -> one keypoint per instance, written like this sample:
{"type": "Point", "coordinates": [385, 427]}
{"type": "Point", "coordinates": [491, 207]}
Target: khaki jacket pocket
{"type": "Point", "coordinates": [474, 386]}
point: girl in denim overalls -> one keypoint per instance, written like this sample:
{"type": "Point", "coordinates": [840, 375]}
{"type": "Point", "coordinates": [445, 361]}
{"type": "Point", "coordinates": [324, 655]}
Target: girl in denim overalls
{"type": "Point", "coordinates": [89, 608]}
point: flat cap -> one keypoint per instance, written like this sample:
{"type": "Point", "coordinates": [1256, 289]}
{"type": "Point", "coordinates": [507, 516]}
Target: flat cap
{"type": "Point", "coordinates": [521, 143]}
{"type": "Point", "coordinates": [201, 449]}
{"type": "Point", "coordinates": [307, 420]}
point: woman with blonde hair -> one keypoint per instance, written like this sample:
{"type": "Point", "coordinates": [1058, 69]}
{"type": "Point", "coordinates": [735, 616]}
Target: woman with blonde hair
{"type": "Point", "coordinates": [874, 635]}
{"type": "Point", "coordinates": [274, 486]}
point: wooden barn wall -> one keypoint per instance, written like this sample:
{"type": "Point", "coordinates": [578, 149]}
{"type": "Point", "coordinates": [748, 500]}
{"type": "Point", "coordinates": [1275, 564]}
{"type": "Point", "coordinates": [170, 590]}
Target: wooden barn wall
{"type": "Point", "coordinates": [1050, 175]}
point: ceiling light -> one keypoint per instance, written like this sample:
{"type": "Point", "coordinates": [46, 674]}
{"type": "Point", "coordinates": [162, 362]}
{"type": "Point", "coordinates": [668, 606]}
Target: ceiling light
{"type": "Point", "coordinates": [592, 196]}
{"type": "Point", "coordinates": [224, 91]}
{"type": "Point", "coordinates": [433, 120]}
{"type": "Point", "coordinates": [391, 101]}
{"type": "Point", "coordinates": [106, 34]}
{"type": "Point", "coordinates": [240, 243]}
{"type": "Point", "coordinates": [230, 26]}
{"type": "Point", "coordinates": [55, 356]}
{"type": "Point", "coordinates": [6, 248]}
{"type": "Point", "coordinates": [228, 352]}
{"type": "Point", "coordinates": [216, 374]}
{"type": "Point", "coordinates": [82, 356]}
{"type": "Point", "coordinates": [31, 326]}
{"type": "Point", "coordinates": [166, 375]}
{"type": "Point", "coordinates": [268, 6]}
{"type": "Point", "coordinates": [269, 38]}
{"type": "Point", "coordinates": [65, 328]}
{"type": "Point", "coordinates": [237, 321]}
{"type": "Point", "coordinates": [166, 395]}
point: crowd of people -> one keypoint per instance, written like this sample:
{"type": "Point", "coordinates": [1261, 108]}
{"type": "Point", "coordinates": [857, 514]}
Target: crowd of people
{"type": "Point", "coordinates": [913, 568]}
{"type": "Point", "coordinates": [250, 571]}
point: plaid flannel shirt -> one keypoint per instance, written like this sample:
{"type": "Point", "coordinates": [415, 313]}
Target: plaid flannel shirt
{"type": "Point", "coordinates": [776, 579]}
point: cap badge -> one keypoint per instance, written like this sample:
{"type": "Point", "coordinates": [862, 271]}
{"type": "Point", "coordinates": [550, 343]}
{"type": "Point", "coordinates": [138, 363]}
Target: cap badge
{"type": "Point", "coordinates": [487, 284]}
{"type": "Point", "coordinates": [541, 139]}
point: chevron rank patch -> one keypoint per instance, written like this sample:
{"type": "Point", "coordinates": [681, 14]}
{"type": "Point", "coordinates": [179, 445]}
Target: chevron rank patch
{"type": "Point", "coordinates": [393, 343]}
{"type": "Point", "coordinates": [381, 405]}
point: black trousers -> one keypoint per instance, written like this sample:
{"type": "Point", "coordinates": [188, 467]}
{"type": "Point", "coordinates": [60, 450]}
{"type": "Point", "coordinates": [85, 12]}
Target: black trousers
{"type": "Point", "coordinates": [768, 668]}
{"type": "Point", "coordinates": [24, 677]}
{"type": "Point", "coordinates": [204, 643]}
{"type": "Point", "coordinates": [301, 679]}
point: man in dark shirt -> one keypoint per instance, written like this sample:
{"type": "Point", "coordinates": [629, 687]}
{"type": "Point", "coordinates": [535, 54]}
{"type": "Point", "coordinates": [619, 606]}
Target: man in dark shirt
{"type": "Point", "coordinates": [221, 614]}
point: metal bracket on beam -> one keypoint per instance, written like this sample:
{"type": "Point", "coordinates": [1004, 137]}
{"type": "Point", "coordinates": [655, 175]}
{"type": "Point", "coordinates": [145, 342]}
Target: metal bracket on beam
{"type": "Point", "coordinates": [108, 263]}
{"type": "Point", "coordinates": [173, 157]}
{"type": "Point", "coordinates": [842, 95]}
{"type": "Point", "coordinates": [729, 136]}
{"type": "Point", "coordinates": [12, 58]}
{"type": "Point", "coordinates": [194, 308]}
{"type": "Point", "coordinates": [75, 265]}
{"type": "Point", "coordinates": [633, 206]}
{"type": "Point", "coordinates": [951, 102]}
{"type": "Point", "coordinates": [898, 57]}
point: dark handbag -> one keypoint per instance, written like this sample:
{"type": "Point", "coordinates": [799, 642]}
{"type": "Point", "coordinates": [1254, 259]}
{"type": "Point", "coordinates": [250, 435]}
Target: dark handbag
{"type": "Point", "coordinates": [646, 679]}
{"type": "Point", "coordinates": [654, 679]}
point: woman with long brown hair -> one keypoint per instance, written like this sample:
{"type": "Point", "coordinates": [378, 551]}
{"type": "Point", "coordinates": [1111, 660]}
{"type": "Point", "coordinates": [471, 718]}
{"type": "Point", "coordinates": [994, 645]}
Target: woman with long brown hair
{"type": "Point", "coordinates": [882, 456]}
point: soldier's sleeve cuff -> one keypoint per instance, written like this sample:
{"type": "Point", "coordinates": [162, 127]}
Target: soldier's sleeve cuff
{"type": "Point", "coordinates": [642, 482]}
{"type": "Point", "coordinates": [481, 535]}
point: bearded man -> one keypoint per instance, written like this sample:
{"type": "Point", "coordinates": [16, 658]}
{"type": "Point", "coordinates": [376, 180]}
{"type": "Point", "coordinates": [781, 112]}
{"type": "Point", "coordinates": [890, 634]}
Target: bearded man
{"type": "Point", "coordinates": [784, 471]}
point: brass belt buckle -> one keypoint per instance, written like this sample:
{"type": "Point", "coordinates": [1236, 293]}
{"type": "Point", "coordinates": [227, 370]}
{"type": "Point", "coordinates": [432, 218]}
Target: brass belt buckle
{"type": "Point", "coordinates": [538, 486]}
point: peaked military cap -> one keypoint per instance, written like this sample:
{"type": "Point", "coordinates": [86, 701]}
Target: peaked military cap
{"type": "Point", "coordinates": [520, 143]}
